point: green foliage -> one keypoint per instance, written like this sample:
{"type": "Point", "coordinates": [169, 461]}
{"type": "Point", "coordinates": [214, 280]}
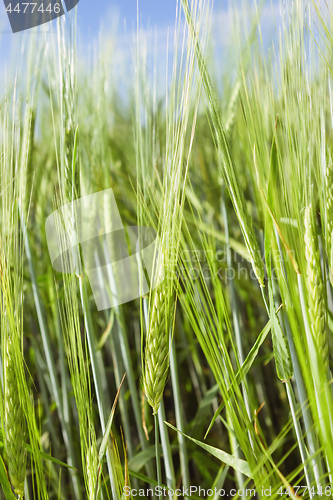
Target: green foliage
{"type": "Point", "coordinates": [238, 186]}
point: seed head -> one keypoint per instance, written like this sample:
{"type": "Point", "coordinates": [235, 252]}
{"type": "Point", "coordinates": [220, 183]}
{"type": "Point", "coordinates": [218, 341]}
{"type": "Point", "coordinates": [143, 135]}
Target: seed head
{"type": "Point", "coordinates": [157, 349]}
{"type": "Point", "coordinates": [15, 426]}
{"type": "Point", "coordinates": [314, 285]}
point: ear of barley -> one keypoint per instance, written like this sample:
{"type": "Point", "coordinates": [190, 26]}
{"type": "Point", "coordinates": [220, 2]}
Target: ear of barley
{"type": "Point", "coordinates": [91, 471]}
{"type": "Point", "coordinates": [329, 214]}
{"type": "Point", "coordinates": [157, 348]}
{"type": "Point", "coordinates": [314, 285]}
{"type": "Point", "coordinates": [15, 425]}
{"type": "Point", "coordinates": [77, 356]}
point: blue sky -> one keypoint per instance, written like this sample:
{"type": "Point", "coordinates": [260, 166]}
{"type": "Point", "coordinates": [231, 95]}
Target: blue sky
{"type": "Point", "coordinates": [159, 14]}
{"type": "Point", "coordinates": [156, 12]}
{"type": "Point", "coordinates": [91, 12]}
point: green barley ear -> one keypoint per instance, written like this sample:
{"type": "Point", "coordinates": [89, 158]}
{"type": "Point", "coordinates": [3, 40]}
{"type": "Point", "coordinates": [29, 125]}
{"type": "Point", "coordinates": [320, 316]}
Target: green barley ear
{"type": "Point", "coordinates": [157, 347]}
{"type": "Point", "coordinates": [329, 214]}
{"type": "Point", "coordinates": [77, 356]}
{"type": "Point", "coordinates": [91, 472]}
{"type": "Point", "coordinates": [169, 206]}
{"type": "Point", "coordinates": [15, 424]}
{"type": "Point", "coordinates": [314, 285]}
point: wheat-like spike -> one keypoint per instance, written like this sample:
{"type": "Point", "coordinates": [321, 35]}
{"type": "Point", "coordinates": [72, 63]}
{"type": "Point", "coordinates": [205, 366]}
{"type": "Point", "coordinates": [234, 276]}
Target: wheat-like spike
{"type": "Point", "coordinates": [157, 349]}
{"type": "Point", "coordinates": [15, 426]}
{"type": "Point", "coordinates": [329, 215]}
{"type": "Point", "coordinates": [314, 285]}
{"type": "Point", "coordinates": [91, 471]}
{"type": "Point", "coordinates": [231, 112]}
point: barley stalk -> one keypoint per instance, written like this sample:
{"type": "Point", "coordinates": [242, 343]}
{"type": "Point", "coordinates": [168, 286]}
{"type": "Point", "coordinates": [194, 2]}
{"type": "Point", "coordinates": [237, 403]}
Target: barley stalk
{"type": "Point", "coordinates": [157, 349]}
{"type": "Point", "coordinates": [15, 425]}
{"type": "Point", "coordinates": [314, 285]}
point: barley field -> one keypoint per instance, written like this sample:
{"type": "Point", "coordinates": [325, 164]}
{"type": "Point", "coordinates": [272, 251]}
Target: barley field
{"type": "Point", "coordinates": [202, 369]}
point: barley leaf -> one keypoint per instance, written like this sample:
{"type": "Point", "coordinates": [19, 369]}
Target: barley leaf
{"type": "Point", "coordinates": [5, 482]}
{"type": "Point", "coordinates": [142, 458]}
{"type": "Point", "coordinates": [145, 479]}
{"type": "Point", "coordinates": [273, 175]}
{"type": "Point", "coordinates": [236, 463]}
{"type": "Point", "coordinates": [105, 439]}
{"type": "Point", "coordinates": [242, 372]}
{"type": "Point", "coordinates": [48, 457]}
{"type": "Point", "coordinates": [282, 358]}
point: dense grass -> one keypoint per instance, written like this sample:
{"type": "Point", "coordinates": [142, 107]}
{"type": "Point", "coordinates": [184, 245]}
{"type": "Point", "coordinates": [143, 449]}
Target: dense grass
{"type": "Point", "coordinates": [228, 361]}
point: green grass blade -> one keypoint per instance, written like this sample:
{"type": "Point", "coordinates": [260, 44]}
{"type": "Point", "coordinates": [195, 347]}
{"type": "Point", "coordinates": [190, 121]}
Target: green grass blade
{"type": "Point", "coordinates": [7, 489]}
{"type": "Point", "coordinates": [236, 463]}
{"type": "Point", "coordinates": [242, 372]}
{"type": "Point", "coordinates": [104, 443]}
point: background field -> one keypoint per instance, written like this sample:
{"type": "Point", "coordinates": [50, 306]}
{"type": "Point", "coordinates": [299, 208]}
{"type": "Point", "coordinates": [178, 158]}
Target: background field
{"type": "Point", "coordinates": [221, 142]}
